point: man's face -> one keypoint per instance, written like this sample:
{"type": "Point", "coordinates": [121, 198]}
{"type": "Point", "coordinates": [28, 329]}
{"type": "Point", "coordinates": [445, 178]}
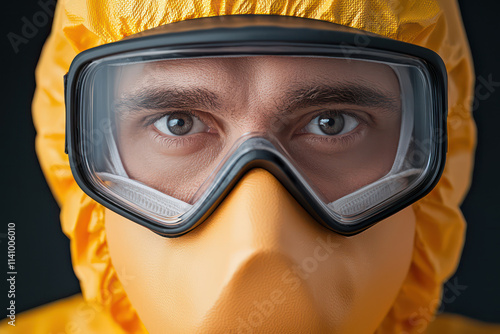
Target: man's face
{"type": "Point", "coordinates": [217, 101]}
{"type": "Point", "coordinates": [260, 263]}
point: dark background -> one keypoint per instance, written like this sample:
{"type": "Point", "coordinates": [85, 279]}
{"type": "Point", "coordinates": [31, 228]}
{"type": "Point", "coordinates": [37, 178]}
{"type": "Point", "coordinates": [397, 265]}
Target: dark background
{"type": "Point", "coordinates": [42, 251]}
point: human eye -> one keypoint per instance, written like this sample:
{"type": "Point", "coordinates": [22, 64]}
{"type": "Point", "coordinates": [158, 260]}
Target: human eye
{"type": "Point", "coordinates": [331, 123]}
{"type": "Point", "coordinates": [180, 123]}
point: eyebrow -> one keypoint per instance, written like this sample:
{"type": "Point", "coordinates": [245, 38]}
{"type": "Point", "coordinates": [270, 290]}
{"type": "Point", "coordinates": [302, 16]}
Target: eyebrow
{"type": "Point", "coordinates": [355, 93]}
{"type": "Point", "coordinates": [343, 93]}
{"type": "Point", "coordinates": [156, 98]}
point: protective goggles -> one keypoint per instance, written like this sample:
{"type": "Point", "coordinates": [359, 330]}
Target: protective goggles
{"type": "Point", "coordinates": [160, 127]}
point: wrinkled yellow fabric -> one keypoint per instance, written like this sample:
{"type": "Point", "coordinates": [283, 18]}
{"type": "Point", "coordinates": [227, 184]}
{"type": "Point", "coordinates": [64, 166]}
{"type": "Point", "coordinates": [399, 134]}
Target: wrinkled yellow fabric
{"type": "Point", "coordinates": [80, 25]}
{"type": "Point", "coordinates": [67, 316]}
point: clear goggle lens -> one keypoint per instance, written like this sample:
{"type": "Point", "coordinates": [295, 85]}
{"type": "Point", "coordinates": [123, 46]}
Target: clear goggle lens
{"type": "Point", "coordinates": [160, 133]}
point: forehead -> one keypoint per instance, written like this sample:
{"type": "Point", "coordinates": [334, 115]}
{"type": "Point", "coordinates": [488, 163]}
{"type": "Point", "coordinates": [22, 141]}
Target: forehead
{"type": "Point", "coordinates": [259, 74]}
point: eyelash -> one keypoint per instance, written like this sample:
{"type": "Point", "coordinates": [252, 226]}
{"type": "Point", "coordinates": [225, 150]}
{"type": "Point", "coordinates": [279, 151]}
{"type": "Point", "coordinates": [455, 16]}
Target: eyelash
{"type": "Point", "coordinates": [342, 141]}
{"type": "Point", "coordinates": [151, 119]}
{"type": "Point", "coordinates": [355, 115]}
{"type": "Point", "coordinates": [172, 142]}
{"type": "Point", "coordinates": [347, 112]}
{"type": "Point", "coordinates": [178, 141]}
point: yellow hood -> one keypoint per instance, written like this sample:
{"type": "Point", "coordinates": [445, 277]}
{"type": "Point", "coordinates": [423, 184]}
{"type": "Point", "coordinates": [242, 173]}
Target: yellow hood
{"type": "Point", "coordinates": [80, 25]}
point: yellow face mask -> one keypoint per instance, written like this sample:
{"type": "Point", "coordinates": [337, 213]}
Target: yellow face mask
{"type": "Point", "coordinates": [242, 270]}
{"type": "Point", "coordinates": [261, 264]}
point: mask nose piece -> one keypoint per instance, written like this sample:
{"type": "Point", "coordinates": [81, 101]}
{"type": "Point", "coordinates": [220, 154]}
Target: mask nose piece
{"type": "Point", "coordinates": [260, 214]}
{"type": "Point", "coordinates": [262, 240]}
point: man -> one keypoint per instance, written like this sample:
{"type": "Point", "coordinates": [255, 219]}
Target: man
{"type": "Point", "coordinates": [271, 162]}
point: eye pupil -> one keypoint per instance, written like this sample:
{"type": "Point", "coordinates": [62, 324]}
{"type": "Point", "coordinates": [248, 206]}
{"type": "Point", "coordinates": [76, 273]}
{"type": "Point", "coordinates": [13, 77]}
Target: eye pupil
{"type": "Point", "coordinates": [331, 124]}
{"type": "Point", "coordinates": [327, 122]}
{"type": "Point", "coordinates": [179, 123]}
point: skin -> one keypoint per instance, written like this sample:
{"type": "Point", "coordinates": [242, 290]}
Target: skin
{"type": "Point", "coordinates": [252, 96]}
{"type": "Point", "coordinates": [260, 263]}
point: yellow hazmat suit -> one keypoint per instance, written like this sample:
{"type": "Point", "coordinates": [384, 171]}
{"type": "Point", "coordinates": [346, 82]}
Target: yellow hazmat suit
{"type": "Point", "coordinates": [80, 25]}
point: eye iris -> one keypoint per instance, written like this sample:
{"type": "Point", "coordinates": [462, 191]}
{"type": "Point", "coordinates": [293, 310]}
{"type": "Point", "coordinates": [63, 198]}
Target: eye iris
{"type": "Point", "coordinates": [331, 124]}
{"type": "Point", "coordinates": [179, 123]}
